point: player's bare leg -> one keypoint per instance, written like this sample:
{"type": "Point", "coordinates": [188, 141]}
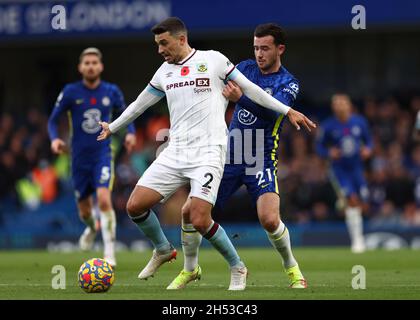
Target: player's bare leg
{"type": "Point", "coordinates": [87, 238]}
{"type": "Point", "coordinates": [191, 240]}
{"type": "Point", "coordinates": [200, 216]}
{"type": "Point", "coordinates": [139, 205]}
{"type": "Point", "coordinates": [268, 205]}
{"type": "Point", "coordinates": [354, 221]}
{"type": "Point", "coordinates": [108, 224]}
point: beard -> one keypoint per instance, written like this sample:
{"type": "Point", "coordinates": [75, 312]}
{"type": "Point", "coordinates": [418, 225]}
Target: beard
{"type": "Point", "coordinates": [266, 66]}
{"type": "Point", "coordinates": [91, 77]}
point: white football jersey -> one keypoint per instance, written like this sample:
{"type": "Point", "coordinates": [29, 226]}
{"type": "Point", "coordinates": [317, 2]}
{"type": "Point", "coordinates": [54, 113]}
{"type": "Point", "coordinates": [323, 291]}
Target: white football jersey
{"type": "Point", "coordinates": [193, 89]}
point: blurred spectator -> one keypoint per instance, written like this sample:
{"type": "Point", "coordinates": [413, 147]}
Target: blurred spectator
{"type": "Point", "coordinates": [387, 216]}
{"type": "Point", "coordinates": [45, 177]}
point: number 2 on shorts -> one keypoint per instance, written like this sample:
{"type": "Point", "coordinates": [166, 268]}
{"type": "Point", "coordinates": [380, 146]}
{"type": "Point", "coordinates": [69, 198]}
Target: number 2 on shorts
{"type": "Point", "coordinates": [207, 184]}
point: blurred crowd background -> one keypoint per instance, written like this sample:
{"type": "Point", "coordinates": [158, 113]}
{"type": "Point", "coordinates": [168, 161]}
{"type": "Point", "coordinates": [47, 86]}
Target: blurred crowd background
{"type": "Point", "coordinates": [31, 175]}
{"type": "Point", "coordinates": [379, 67]}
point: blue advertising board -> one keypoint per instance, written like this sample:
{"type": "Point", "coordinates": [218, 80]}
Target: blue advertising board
{"type": "Point", "coordinates": [23, 19]}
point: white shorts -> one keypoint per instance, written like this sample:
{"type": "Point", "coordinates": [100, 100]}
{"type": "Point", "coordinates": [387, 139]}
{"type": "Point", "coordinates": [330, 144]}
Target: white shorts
{"type": "Point", "coordinates": [201, 167]}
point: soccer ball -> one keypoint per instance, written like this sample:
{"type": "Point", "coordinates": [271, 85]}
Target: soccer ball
{"type": "Point", "coordinates": [96, 275]}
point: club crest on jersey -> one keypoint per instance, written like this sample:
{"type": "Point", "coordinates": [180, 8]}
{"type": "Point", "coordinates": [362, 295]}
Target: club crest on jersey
{"type": "Point", "coordinates": [106, 101]}
{"type": "Point", "coordinates": [246, 118]}
{"type": "Point", "coordinates": [185, 71]}
{"type": "Point", "coordinates": [202, 67]}
{"type": "Point", "coordinates": [355, 131]}
{"type": "Point", "coordinates": [269, 91]}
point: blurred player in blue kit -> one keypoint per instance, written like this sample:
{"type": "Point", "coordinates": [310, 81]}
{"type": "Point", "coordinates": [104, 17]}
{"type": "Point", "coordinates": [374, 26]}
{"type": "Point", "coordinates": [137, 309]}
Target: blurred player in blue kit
{"type": "Point", "coordinates": [87, 102]}
{"type": "Point", "coordinates": [345, 141]}
{"type": "Point", "coordinates": [268, 73]}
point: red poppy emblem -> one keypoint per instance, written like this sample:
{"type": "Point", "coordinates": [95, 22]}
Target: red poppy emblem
{"type": "Point", "coordinates": [92, 101]}
{"type": "Point", "coordinates": [185, 71]}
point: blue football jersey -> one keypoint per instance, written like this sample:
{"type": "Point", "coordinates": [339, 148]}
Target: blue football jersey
{"type": "Point", "coordinates": [249, 116]}
{"type": "Point", "coordinates": [349, 137]}
{"type": "Point", "coordinates": [254, 123]}
{"type": "Point", "coordinates": [86, 107]}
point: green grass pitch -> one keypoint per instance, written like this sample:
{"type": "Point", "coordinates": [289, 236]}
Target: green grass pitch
{"type": "Point", "coordinates": [389, 275]}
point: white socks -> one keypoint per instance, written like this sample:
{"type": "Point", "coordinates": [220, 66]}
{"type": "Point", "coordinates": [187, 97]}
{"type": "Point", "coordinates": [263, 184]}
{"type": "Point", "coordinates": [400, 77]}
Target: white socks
{"type": "Point", "coordinates": [354, 223]}
{"type": "Point", "coordinates": [108, 228]}
{"type": "Point", "coordinates": [280, 240]}
{"type": "Point", "coordinates": [191, 240]}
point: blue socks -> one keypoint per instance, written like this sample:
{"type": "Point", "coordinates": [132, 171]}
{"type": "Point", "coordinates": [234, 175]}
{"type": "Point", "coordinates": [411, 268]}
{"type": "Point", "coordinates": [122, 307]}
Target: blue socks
{"type": "Point", "coordinates": [149, 224]}
{"type": "Point", "coordinates": [219, 239]}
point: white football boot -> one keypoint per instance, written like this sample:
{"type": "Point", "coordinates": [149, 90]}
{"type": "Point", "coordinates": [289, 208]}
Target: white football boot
{"type": "Point", "coordinates": [155, 262]}
{"type": "Point", "coordinates": [87, 239]}
{"type": "Point", "coordinates": [238, 277]}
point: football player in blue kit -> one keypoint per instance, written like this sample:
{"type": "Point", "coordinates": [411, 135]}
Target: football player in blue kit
{"type": "Point", "coordinates": [345, 141]}
{"type": "Point", "coordinates": [87, 102]}
{"type": "Point", "coordinates": [267, 72]}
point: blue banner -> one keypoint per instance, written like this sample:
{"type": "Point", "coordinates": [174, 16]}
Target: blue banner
{"type": "Point", "coordinates": [242, 235]}
{"type": "Point", "coordinates": [80, 17]}
{"type": "Point", "coordinates": [20, 19]}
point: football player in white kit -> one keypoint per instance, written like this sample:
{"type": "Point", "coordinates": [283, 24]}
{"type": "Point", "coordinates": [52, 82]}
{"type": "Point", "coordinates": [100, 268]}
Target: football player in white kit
{"type": "Point", "coordinates": [192, 81]}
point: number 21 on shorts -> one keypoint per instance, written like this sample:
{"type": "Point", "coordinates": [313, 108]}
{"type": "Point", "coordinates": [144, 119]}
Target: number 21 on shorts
{"type": "Point", "coordinates": [263, 178]}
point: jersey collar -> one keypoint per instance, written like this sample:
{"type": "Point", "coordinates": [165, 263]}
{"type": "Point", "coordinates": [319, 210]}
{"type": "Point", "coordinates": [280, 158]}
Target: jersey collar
{"type": "Point", "coordinates": [187, 57]}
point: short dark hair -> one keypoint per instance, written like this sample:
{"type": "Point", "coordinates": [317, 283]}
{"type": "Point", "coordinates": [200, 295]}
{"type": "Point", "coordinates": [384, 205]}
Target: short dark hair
{"type": "Point", "coordinates": [271, 29]}
{"type": "Point", "coordinates": [173, 25]}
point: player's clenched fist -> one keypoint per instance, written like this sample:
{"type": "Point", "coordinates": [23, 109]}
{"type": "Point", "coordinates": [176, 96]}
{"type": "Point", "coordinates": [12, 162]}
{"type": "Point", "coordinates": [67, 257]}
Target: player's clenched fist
{"type": "Point", "coordinates": [58, 146]}
{"type": "Point", "coordinates": [105, 133]}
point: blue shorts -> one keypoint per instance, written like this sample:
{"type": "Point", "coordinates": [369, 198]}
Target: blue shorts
{"type": "Point", "coordinates": [90, 175]}
{"type": "Point", "coordinates": [234, 176]}
{"type": "Point", "coordinates": [350, 182]}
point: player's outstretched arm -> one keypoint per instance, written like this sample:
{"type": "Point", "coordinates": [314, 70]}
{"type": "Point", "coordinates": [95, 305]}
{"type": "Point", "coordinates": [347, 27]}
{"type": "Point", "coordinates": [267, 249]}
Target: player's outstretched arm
{"type": "Point", "coordinates": [146, 98]}
{"type": "Point", "coordinates": [260, 97]}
